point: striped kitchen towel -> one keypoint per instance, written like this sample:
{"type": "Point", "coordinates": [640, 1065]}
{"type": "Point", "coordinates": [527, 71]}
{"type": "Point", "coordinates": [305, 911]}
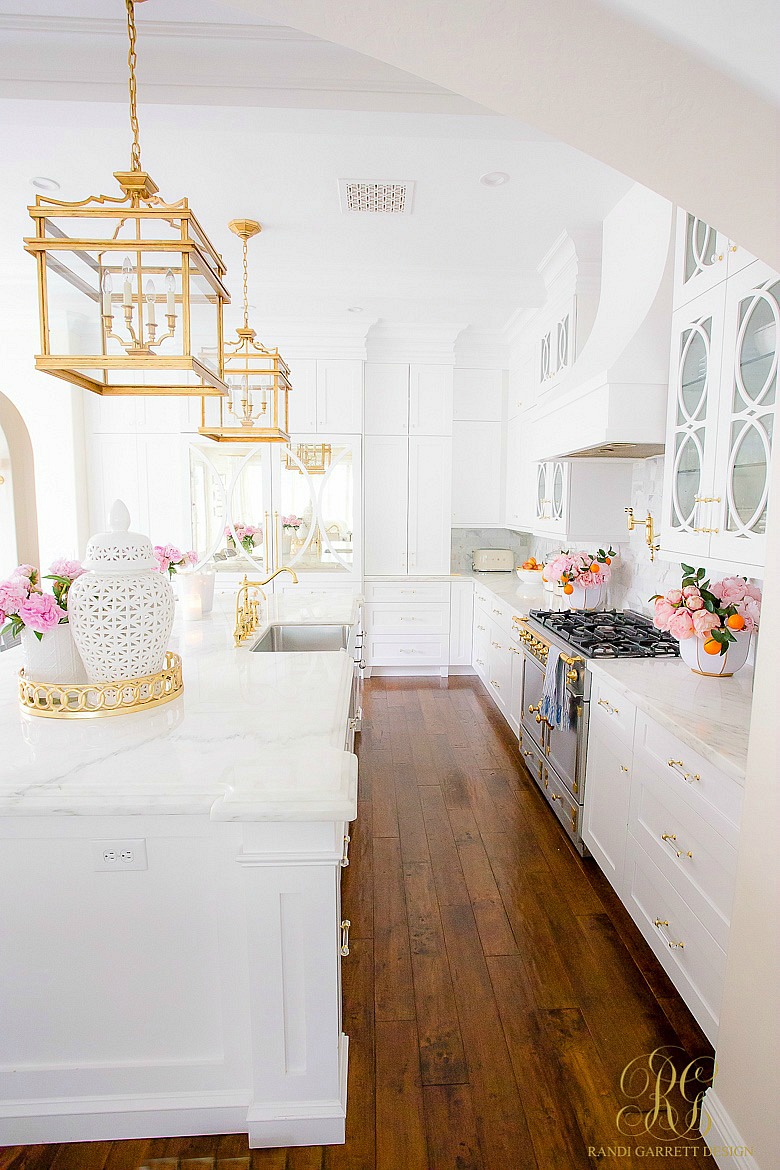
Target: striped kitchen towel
{"type": "Point", "coordinates": [555, 700]}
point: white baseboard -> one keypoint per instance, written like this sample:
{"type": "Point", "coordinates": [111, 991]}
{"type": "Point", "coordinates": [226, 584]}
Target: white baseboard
{"type": "Point", "coordinates": [28, 1123]}
{"type": "Point", "coordinates": [302, 1123]}
{"type": "Point", "coordinates": [407, 671]}
{"type": "Point", "coordinates": [729, 1151]}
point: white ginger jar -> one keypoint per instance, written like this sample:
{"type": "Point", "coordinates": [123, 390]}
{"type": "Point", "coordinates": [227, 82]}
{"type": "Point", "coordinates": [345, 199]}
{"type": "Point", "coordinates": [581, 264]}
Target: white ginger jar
{"type": "Point", "coordinates": [121, 610]}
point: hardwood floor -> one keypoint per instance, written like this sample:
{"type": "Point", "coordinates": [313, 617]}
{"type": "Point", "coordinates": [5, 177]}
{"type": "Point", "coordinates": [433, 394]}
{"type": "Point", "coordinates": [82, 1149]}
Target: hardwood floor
{"type": "Point", "coordinates": [495, 989]}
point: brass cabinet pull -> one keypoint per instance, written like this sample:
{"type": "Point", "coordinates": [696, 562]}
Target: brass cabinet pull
{"type": "Point", "coordinates": [496, 645]}
{"type": "Point", "coordinates": [670, 837]}
{"type": "Point", "coordinates": [574, 820]}
{"type": "Point", "coordinates": [623, 768]}
{"type": "Point", "coordinates": [495, 684]}
{"type": "Point", "coordinates": [514, 650]}
{"type": "Point", "coordinates": [714, 531]}
{"type": "Point", "coordinates": [345, 854]}
{"type": "Point", "coordinates": [531, 710]}
{"type": "Point", "coordinates": [608, 707]}
{"type": "Point", "coordinates": [689, 777]}
{"type": "Point", "coordinates": [660, 922]}
{"type": "Point", "coordinates": [265, 541]}
{"type": "Point", "coordinates": [554, 796]}
{"type": "Point", "coordinates": [345, 925]}
{"type": "Point", "coordinates": [546, 778]}
{"type": "Point", "coordinates": [480, 627]}
{"type": "Point", "coordinates": [706, 499]}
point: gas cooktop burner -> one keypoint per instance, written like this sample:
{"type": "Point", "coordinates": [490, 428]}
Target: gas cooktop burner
{"type": "Point", "coordinates": [611, 634]}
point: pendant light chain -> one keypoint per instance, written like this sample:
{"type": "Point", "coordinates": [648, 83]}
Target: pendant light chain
{"type": "Point", "coordinates": [132, 62]}
{"type": "Point", "coordinates": [246, 282]}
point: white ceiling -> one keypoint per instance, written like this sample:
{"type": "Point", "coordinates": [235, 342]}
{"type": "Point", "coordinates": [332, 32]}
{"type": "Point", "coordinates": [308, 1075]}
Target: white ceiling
{"type": "Point", "coordinates": [262, 121]}
{"type": "Point", "coordinates": [739, 37]}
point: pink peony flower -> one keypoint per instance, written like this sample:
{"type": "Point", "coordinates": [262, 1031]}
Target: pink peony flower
{"type": "Point", "coordinates": [681, 624]}
{"type": "Point", "coordinates": [13, 593]}
{"type": "Point", "coordinates": [191, 557]}
{"type": "Point", "coordinates": [664, 612]}
{"type": "Point", "coordinates": [40, 612]}
{"type": "Point", "coordinates": [694, 602]}
{"type": "Point", "coordinates": [753, 592]}
{"type": "Point", "coordinates": [674, 596]}
{"type": "Point", "coordinates": [559, 565]}
{"type": "Point", "coordinates": [730, 590]}
{"type": "Point", "coordinates": [66, 568]}
{"type": "Point", "coordinates": [704, 621]}
{"type": "Point", "coordinates": [750, 609]}
{"type": "Point", "coordinates": [28, 571]}
{"type": "Point", "coordinates": [691, 591]}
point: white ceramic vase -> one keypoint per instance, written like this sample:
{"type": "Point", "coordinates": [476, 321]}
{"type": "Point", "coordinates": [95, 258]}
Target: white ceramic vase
{"type": "Point", "coordinates": [585, 598]}
{"type": "Point", "coordinates": [694, 655]}
{"type": "Point", "coordinates": [53, 658]}
{"type": "Point", "coordinates": [121, 609]}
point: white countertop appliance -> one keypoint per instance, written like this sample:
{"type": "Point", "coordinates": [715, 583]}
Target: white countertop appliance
{"type": "Point", "coordinates": [492, 560]}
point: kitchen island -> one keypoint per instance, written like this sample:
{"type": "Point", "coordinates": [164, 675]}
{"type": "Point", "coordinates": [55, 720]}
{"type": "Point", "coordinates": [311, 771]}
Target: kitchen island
{"type": "Point", "coordinates": [171, 914]}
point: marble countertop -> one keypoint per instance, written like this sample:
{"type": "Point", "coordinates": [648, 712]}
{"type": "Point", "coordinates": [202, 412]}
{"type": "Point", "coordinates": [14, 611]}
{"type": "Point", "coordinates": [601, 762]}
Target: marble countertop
{"type": "Point", "coordinates": [253, 737]}
{"type": "Point", "coordinates": [711, 715]}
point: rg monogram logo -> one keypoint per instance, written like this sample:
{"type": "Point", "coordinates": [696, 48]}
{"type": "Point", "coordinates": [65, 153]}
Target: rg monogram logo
{"type": "Point", "coordinates": [653, 1079]}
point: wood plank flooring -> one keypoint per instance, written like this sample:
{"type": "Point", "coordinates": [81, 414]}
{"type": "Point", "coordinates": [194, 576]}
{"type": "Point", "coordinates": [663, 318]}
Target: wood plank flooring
{"type": "Point", "coordinates": [495, 989]}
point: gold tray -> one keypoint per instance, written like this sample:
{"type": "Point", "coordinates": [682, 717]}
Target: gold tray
{"type": "Point", "coordinates": [97, 700]}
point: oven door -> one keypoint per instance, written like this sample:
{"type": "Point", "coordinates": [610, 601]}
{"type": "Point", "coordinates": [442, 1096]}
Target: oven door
{"type": "Point", "coordinates": [533, 685]}
{"type": "Point", "coordinates": [564, 750]}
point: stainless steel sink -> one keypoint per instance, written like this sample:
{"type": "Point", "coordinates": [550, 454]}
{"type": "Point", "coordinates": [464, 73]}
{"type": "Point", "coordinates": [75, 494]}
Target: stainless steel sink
{"type": "Point", "coordinates": [289, 639]}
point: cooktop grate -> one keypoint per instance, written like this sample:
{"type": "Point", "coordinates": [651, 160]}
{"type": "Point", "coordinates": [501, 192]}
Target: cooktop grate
{"type": "Point", "coordinates": [608, 634]}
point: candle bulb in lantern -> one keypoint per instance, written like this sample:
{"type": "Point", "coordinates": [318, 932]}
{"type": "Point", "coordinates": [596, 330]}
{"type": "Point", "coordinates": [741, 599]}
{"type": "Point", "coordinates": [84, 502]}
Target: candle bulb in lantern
{"type": "Point", "coordinates": [170, 293]}
{"type": "Point", "coordinates": [107, 285]}
{"type": "Point", "coordinates": [127, 286]}
{"type": "Point", "coordinates": [150, 299]}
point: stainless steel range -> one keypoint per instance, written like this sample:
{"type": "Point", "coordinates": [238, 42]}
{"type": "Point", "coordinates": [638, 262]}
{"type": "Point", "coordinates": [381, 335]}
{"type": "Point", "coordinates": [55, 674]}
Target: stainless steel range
{"type": "Point", "coordinates": [556, 756]}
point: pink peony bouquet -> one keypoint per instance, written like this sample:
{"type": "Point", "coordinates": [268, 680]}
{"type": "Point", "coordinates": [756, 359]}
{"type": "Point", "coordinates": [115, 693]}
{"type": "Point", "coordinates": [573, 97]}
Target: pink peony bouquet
{"type": "Point", "coordinates": [580, 568]}
{"type": "Point", "coordinates": [23, 605]}
{"type": "Point", "coordinates": [714, 613]}
{"type": "Point", "coordinates": [169, 559]}
{"type": "Point", "coordinates": [246, 534]}
{"type": "Point", "coordinates": [293, 522]}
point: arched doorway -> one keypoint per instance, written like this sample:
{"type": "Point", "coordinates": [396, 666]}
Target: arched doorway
{"type": "Point", "coordinates": [18, 509]}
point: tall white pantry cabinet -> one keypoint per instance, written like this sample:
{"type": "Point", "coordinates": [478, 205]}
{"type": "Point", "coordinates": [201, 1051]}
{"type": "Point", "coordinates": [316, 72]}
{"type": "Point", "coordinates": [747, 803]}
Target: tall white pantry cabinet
{"type": "Point", "coordinates": [407, 469]}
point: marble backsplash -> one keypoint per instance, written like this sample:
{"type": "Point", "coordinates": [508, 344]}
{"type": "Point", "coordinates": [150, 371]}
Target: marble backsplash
{"type": "Point", "coordinates": [464, 540]}
{"type": "Point", "coordinates": [635, 577]}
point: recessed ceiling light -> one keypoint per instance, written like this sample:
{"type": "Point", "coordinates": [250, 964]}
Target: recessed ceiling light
{"type": "Point", "coordinates": [355, 309]}
{"type": "Point", "coordinates": [494, 179]}
{"type": "Point", "coordinates": [42, 183]}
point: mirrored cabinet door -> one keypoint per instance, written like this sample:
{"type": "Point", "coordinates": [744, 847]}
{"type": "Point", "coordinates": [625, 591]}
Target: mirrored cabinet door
{"type": "Point", "coordinates": [316, 521]}
{"type": "Point", "coordinates": [747, 414]}
{"type": "Point", "coordinates": [704, 257]}
{"type": "Point", "coordinates": [697, 345]}
{"type": "Point", "coordinates": [542, 502]}
{"type": "Point", "coordinates": [230, 498]}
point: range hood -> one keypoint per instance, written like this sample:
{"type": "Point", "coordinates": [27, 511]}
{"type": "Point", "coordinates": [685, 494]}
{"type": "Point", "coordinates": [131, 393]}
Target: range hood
{"type": "Point", "coordinates": [612, 402]}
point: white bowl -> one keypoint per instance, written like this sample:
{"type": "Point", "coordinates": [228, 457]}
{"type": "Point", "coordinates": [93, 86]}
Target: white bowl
{"type": "Point", "coordinates": [530, 576]}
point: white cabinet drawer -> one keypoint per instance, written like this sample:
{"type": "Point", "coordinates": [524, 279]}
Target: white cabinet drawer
{"type": "Point", "coordinates": [696, 860]}
{"type": "Point", "coordinates": [384, 650]}
{"type": "Point", "coordinates": [493, 608]}
{"type": "Point", "coordinates": [717, 797]}
{"type": "Point", "coordinates": [612, 711]}
{"type": "Point", "coordinates": [386, 618]}
{"type": "Point", "coordinates": [411, 591]}
{"type": "Point", "coordinates": [687, 951]}
{"type": "Point", "coordinates": [607, 799]}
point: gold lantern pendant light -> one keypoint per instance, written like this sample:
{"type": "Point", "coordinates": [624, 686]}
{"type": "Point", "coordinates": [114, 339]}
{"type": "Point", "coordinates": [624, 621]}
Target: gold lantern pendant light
{"type": "Point", "coordinates": [314, 458]}
{"type": "Point", "coordinates": [258, 379]}
{"type": "Point", "coordinates": [130, 289]}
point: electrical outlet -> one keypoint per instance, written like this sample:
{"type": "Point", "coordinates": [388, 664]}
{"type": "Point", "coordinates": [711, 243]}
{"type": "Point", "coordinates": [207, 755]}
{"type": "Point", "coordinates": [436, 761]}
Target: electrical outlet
{"type": "Point", "coordinates": [119, 855]}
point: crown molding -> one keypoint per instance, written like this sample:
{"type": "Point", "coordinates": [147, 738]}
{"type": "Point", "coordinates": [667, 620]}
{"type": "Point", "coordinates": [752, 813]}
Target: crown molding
{"type": "Point", "coordinates": [427, 344]}
{"type": "Point", "coordinates": [299, 338]}
{"type": "Point", "coordinates": [106, 26]}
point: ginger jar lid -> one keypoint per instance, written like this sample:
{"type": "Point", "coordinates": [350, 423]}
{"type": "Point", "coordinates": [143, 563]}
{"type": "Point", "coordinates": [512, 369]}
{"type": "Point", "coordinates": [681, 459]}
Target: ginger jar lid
{"type": "Point", "coordinates": [119, 551]}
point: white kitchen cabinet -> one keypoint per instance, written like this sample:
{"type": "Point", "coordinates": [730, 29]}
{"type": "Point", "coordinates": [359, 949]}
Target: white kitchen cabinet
{"type": "Point", "coordinates": [704, 258]}
{"type": "Point", "coordinates": [521, 484]}
{"type": "Point", "coordinates": [407, 626]}
{"type": "Point", "coordinates": [461, 622]}
{"type": "Point", "coordinates": [477, 474]}
{"type": "Point", "coordinates": [516, 689]}
{"type": "Point", "coordinates": [340, 395]}
{"type": "Point", "coordinates": [577, 500]}
{"type": "Point", "coordinates": [607, 800]}
{"type": "Point", "coordinates": [720, 424]}
{"type": "Point", "coordinates": [478, 395]}
{"type": "Point", "coordinates": [499, 668]}
{"type": "Point", "coordinates": [430, 400]}
{"type": "Point", "coordinates": [480, 644]}
{"type": "Point", "coordinates": [430, 476]}
{"type": "Point", "coordinates": [302, 400]}
{"type": "Point", "coordinates": [407, 504]}
{"type": "Point", "coordinates": [386, 398]}
{"type": "Point", "coordinates": [386, 507]}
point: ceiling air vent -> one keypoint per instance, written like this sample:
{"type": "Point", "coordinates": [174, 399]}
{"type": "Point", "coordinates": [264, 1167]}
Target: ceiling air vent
{"type": "Point", "coordinates": [378, 198]}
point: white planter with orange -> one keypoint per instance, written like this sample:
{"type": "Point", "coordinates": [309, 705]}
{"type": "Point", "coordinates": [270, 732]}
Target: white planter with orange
{"type": "Point", "coordinates": [694, 655]}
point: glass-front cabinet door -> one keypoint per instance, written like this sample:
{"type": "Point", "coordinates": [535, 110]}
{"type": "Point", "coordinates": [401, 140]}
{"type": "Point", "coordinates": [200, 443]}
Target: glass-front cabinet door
{"type": "Point", "coordinates": [747, 415]}
{"type": "Point", "coordinates": [258, 508]}
{"type": "Point", "coordinates": [697, 344]}
{"type": "Point", "coordinates": [705, 257]}
{"type": "Point", "coordinates": [542, 502]}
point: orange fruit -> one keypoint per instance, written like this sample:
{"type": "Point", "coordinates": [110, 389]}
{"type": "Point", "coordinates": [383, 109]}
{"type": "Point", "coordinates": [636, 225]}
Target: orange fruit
{"type": "Point", "coordinates": [608, 560]}
{"type": "Point", "coordinates": [711, 646]}
{"type": "Point", "coordinates": [735, 622]}
{"type": "Point", "coordinates": [595, 567]}
{"type": "Point", "coordinates": [568, 588]}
